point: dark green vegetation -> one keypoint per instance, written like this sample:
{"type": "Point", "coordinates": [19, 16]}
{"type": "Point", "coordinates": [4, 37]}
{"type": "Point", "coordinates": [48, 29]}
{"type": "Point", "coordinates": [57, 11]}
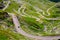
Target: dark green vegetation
{"type": "Point", "coordinates": [55, 0]}
{"type": "Point", "coordinates": [1, 0]}
{"type": "Point", "coordinates": [3, 15]}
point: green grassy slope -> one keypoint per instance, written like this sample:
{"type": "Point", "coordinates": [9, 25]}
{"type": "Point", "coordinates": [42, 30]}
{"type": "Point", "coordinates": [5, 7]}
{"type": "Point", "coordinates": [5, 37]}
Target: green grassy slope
{"type": "Point", "coordinates": [36, 17]}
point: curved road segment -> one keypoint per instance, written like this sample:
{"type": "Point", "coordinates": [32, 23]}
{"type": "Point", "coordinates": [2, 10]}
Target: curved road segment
{"type": "Point", "coordinates": [20, 31]}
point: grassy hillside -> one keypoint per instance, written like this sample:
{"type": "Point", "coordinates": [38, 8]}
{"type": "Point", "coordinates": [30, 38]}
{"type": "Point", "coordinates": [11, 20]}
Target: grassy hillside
{"type": "Point", "coordinates": [36, 17]}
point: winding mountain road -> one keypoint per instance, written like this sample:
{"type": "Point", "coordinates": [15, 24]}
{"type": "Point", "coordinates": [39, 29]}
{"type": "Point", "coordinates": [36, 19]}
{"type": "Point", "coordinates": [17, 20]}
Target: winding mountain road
{"type": "Point", "coordinates": [49, 9]}
{"type": "Point", "coordinates": [20, 31]}
{"type": "Point", "coordinates": [6, 6]}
